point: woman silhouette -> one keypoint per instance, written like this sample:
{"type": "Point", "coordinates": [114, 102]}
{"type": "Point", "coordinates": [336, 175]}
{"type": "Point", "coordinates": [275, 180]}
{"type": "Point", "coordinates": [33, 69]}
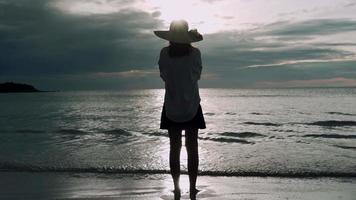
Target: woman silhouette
{"type": "Point", "coordinates": [180, 68]}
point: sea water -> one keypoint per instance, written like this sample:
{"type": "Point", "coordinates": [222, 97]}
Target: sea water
{"type": "Point", "coordinates": [262, 132]}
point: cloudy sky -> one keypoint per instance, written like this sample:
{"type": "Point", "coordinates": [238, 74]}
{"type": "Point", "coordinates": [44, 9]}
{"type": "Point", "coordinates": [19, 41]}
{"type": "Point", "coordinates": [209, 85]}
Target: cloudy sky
{"type": "Point", "coordinates": [109, 44]}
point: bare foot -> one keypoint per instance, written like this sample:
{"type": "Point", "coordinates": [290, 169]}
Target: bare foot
{"type": "Point", "coordinates": [193, 193]}
{"type": "Point", "coordinates": [176, 194]}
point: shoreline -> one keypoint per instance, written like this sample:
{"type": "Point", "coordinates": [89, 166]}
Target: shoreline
{"type": "Point", "coordinates": [48, 185]}
{"type": "Point", "coordinates": [111, 171]}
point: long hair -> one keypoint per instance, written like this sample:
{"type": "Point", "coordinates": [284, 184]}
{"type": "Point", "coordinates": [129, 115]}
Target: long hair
{"type": "Point", "coordinates": [179, 49]}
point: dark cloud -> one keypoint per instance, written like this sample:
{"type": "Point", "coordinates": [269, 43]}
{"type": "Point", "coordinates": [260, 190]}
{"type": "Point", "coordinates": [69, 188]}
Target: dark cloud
{"type": "Point", "coordinates": [279, 52]}
{"type": "Point", "coordinates": [36, 39]}
{"type": "Point", "coordinates": [311, 27]}
{"type": "Point", "coordinates": [156, 14]}
{"type": "Point", "coordinates": [47, 46]}
{"type": "Point", "coordinates": [250, 77]}
{"type": "Point", "coordinates": [236, 50]}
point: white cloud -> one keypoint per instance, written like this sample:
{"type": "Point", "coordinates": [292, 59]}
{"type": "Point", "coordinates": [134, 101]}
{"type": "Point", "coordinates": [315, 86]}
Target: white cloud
{"type": "Point", "coordinates": [329, 82]}
{"type": "Point", "coordinates": [294, 62]}
{"type": "Point", "coordinates": [89, 7]}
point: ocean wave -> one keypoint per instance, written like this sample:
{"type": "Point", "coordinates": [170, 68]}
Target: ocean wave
{"type": "Point", "coordinates": [16, 167]}
{"type": "Point", "coordinates": [213, 139]}
{"type": "Point", "coordinates": [262, 123]}
{"type": "Point", "coordinates": [157, 134]}
{"type": "Point", "coordinates": [226, 140]}
{"type": "Point", "coordinates": [332, 123]}
{"type": "Point", "coordinates": [71, 131]}
{"type": "Point", "coordinates": [261, 95]}
{"type": "Point", "coordinates": [242, 134]}
{"type": "Point", "coordinates": [345, 147]}
{"type": "Point", "coordinates": [75, 133]}
{"type": "Point", "coordinates": [333, 136]}
{"type": "Point", "coordinates": [119, 132]}
{"type": "Point", "coordinates": [304, 113]}
{"type": "Point", "coordinates": [209, 114]}
{"type": "Point", "coordinates": [29, 131]}
{"type": "Point", "coordinates": [341, 113]}
{"type": "Point", "coordinates": [230, 113]}
{"type": "Point", "coordinates": [22, 131]}
{"type": "Point", "coordinates": [257, 113]}
{"type": "Point", "coordinates": [284, 131]}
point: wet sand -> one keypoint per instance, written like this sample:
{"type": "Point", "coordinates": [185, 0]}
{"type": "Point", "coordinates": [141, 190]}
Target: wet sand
{"type": "Point", "coordinates": [29, 185]}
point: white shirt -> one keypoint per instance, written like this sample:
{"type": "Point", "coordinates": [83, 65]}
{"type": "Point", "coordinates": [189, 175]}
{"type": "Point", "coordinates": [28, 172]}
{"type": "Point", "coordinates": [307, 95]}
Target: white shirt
{"type": "Point", "coordinates": [181, 75]}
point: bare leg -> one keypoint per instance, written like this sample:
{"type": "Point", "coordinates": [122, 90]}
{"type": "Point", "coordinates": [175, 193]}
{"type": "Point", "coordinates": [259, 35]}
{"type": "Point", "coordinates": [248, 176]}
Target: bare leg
{"type": "Point", "coordinates": [191, 142]}
{"type": "Point", "coordinates": [175, 137]}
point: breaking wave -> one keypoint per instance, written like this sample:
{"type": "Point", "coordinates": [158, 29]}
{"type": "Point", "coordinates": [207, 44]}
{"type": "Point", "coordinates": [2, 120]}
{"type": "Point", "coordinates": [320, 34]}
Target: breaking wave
{"type": "Point", "coordinates": [341, 113]}
{"type": "Point", "coordinates": [242, 134]}
{"type": "Point", "coordinates": [345, 147]}
{"type": "Point", "coordinates": [262, 123]}
{"type": "Point", "coordinates": [332, 123]}
{"type": "Point", "coordinates": [333, 136]}
{"type": "Point", "coordinates": [226, 140]}
{"type": "Point", "coordinates": [12, 167]}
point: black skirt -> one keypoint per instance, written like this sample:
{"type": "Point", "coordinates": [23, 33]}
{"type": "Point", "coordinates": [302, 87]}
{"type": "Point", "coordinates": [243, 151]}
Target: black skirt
{"type": "Point", "coordinates": [197, 121]}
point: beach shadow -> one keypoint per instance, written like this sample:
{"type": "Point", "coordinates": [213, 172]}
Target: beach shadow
{"type": "Point", "coordinates": [193, 196]}
{"type": "Point", "coordinates": [177, 196]}
{"type": "Point", "coordinates": [205, 193]}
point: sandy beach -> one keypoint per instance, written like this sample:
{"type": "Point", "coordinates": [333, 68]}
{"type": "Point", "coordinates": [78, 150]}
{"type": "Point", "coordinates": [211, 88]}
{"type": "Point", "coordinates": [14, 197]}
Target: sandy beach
{"type": "Point", "coordinates": [29, 185]}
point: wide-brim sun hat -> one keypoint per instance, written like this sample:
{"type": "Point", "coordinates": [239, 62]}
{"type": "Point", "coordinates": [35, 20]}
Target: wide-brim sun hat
{"type": "Point", "coordinates": [179, 33]}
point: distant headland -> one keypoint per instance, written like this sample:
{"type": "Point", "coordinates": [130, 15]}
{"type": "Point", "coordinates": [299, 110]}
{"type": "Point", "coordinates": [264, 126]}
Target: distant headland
{"type": "Point", "coordinates": [10, 87]}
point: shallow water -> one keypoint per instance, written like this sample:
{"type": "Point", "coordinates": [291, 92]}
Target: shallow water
{"type": "Point", "coordinates": [278, 132]}
{"type": "Point", "coordinates": [80, 186]}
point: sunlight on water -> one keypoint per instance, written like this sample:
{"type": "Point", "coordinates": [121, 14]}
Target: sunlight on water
{"type": "Point", "coordinates": [264, 131]}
